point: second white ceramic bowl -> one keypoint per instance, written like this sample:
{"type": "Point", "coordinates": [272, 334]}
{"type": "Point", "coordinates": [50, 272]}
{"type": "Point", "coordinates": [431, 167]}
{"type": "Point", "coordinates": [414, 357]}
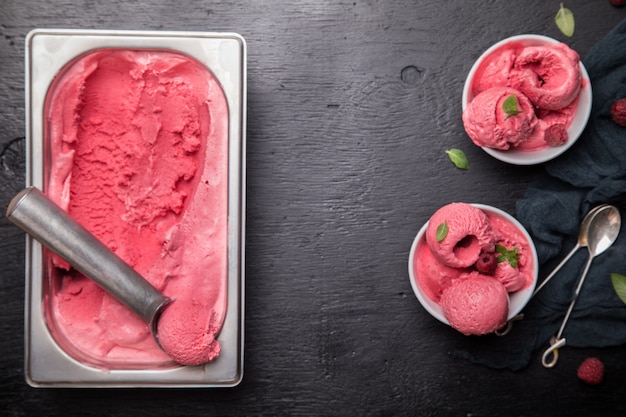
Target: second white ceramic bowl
{"type": "Point", "coordinates": [574, 131]}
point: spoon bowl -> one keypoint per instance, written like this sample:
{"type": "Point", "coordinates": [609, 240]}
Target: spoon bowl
{"type": "Point", "coordinates": [603, 230]}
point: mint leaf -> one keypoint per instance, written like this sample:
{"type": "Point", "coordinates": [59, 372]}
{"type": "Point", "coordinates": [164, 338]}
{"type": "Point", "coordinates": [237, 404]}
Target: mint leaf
{"type": "Point", "coordinates": [509, 255]}
{"type": "Point", "coordinates": [442, 232]}
{"type": "Point", "coordinates": [619, 284]}
{"type": "Point", "coordinates": [458, 158]}
{"type": "Point", "coordinates": [564, 20]}
{"type": "Point", "coordinates": [509, 106]}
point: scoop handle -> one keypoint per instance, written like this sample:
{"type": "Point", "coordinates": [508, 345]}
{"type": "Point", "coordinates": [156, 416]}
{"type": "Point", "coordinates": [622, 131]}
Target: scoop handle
{"type": "Point", "coordinates": [36, 214]}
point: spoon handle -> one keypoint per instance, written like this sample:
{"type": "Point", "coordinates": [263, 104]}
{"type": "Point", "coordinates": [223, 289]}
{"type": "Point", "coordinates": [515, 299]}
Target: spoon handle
{"type": "Point", "coordinates": [557, 268]}
{"type": "Point", "coordinates": [551, 355]}
{"type": "Point", "coordinates": [40, 217]}
{"type": "Point", "coordinates": [581, 280]}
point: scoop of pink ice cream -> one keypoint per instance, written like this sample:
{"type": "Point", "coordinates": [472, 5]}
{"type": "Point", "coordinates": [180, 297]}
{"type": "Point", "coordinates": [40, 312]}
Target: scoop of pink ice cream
{"type": "Point", "coordinates": [468, 234]}
{"type": "Point", "coordinates": [476, 305]}
{"type": "Point", "coordinates": [495, 71]}
{"type": "Point", "coordinates": [548, 75]}
{"type": "Point", "coordinates": [432, 275]}
{"type": "Point", "coordinates": [487, 123]}
{"type": "Point", "coordinates": [187, 336]}
{"type": "Point", "coordinates": [512, 279]}
{"type": "Point", "coordinates": [510, 237]}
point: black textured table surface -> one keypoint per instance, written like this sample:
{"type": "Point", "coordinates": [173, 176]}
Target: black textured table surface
{"type": "Point", "coordinates": [351, 105]}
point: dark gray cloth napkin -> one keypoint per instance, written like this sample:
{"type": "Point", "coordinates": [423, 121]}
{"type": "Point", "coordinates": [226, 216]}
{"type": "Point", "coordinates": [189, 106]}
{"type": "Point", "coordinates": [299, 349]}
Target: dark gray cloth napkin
{"type": "Point", "coordinates": [592, 172]}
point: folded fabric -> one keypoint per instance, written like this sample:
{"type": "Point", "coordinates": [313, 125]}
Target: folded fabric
{"type": "Point", "coordinates": [592, 172]}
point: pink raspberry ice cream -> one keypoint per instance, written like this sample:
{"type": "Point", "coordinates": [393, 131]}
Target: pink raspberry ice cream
{"type": "Point", "coordinates": [550, 77]}
{"type": "Point", "coordinates": [469, 233]}
{"type": "Point", "coordinates": [510, 277]}
{"type": "Point", "coordinates": [487, 124]}
{"type": "Point", "coordinates": [446, 266]}
{"type": "Point", "coordinates": [476, 305]}
{"type": "Point", "coordinates": [138, 155]}
{"type": "Point", "coordinates": [435, 276]}
{"type": "Point", "coordinates": [494, 71]}
{"type": "Point", "coordinates": [546, 81]}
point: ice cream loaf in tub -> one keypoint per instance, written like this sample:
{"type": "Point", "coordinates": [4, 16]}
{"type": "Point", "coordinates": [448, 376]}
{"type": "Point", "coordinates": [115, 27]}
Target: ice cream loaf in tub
{"type": "Point", "coordinates": [140, 136]}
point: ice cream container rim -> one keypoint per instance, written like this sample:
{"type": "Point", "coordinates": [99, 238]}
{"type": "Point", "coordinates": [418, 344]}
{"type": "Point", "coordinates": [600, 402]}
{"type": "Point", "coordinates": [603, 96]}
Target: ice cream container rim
{"type": "Point", "coordinates": [224, 54]}
{"type": "Point", "coordinates": [574, 131]}
{"type": "Point", "coordinates": [518, 300]}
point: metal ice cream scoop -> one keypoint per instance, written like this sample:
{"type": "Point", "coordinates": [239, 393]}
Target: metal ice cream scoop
{"type": "Point", "coordinates": [32, 211]}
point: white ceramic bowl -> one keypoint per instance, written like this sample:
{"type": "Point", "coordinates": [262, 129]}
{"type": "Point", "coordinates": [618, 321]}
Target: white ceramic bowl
{"type": "Point", "coordinates": [518, 299]}
{"type": "Point", "coordinates": [575, 129]}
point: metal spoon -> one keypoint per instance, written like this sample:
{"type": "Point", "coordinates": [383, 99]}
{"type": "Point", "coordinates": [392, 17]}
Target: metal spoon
{"type": "Point", "coordinates": [603, 230]}
{"type": "Point", "coordinates": [40, 217]}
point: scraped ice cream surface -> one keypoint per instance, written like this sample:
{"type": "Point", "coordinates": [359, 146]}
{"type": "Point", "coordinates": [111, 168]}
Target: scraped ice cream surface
{"type": "Point", "coordinates": [137, 153]}
{"type": "Point", "coordinates": [449, 266]}
{"type": "Point", "coordinates": [542, 85]}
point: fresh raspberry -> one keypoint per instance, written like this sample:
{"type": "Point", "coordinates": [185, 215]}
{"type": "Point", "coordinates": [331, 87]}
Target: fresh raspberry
{"type": "Point", "coordinates": [618, 112]}
{"type": "Point", "coordinates": [591, 371]}
{"type": "Point", "coordinates": [487, 263]}
{"type": "Point", "coordinates": [618, 3]}
{"type": "Point", "coordinates": [556, 134]}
